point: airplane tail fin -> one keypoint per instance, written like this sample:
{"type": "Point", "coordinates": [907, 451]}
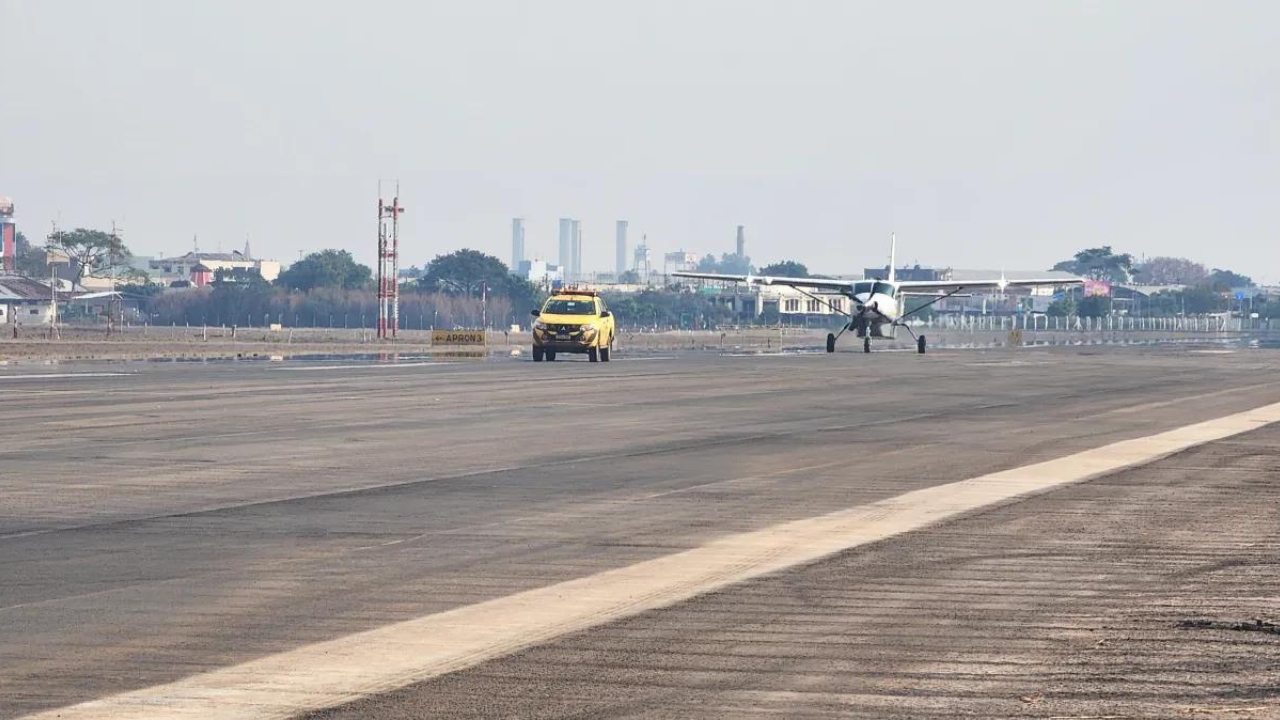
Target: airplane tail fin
{"type": "Point", "coordinates": [893, 256]}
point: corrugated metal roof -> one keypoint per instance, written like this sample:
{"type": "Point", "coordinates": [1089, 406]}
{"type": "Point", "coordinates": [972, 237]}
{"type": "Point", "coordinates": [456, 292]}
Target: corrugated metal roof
{"type": "Point", "coordinates": [21, 288]}
{"type": "Point", "coordinates": [233, 256]}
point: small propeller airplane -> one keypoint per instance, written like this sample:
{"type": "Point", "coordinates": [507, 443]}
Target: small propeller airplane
{"type": "Point", "coordinates": [879, 304]}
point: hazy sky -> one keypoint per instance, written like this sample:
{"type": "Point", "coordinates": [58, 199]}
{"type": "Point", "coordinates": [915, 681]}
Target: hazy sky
{"type": "Point", "coordinates": [986, 134]}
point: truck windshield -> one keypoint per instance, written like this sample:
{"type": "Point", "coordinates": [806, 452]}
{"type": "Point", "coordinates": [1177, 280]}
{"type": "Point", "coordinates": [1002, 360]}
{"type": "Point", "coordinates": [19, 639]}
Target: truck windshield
{"type": "Point", "coordinates": [570, 307]}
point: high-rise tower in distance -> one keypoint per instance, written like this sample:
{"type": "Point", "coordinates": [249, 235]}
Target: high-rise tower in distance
{"type": "Point", "coordinates": [620, 249]}
{"type": "Point", "coordinates": [566, 246]}
{"type": "Point", "coordinates": [576, 269]}
{"type": "Point", "coordinates": [517, 243]}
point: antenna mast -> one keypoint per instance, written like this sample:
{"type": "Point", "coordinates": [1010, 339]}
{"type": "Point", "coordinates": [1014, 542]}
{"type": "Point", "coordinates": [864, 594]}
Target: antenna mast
{"type": "Point", "coordinates": [389, 265]}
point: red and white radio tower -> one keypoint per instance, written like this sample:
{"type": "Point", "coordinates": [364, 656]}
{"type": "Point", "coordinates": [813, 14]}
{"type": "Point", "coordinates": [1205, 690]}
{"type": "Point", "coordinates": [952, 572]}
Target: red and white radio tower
{"type": "Point", "coordinates": [389, 265]}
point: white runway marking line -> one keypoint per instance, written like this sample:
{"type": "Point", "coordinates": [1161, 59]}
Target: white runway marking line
{"type": "Point", "coordinates": [64, 375]}
{"type": "Point", "coordinates": [337, 671]}
{"type": "Point", "coordinates": [369, 365]}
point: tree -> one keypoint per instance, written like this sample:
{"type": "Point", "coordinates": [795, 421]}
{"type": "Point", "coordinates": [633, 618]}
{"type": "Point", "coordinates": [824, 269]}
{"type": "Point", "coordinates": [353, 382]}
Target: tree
{"type": "Point", "coordinates": [735, 264]}
{"type": "Point", "coordinates": [1225, 280]}
{"type": "Point", "coordinates": [1199, 300]}
{"type": "Point", "coordinates": [470, 272]}
{"type": "Point", "coordinates": [238, 276]}
{"type": "Point", "coordinates": [326, 269]}
{"type": "Point", "coordinates": [1094, 306]}
{"type": "Point", "coordinates": [786, 268]}
{"type": "Point", "coordinates": [465, 272]}
{"type": "Point", "coordinates": [92, 253]}
{"type": "Point", "coordinates": [29, 261]}
{"type": "Point", "coordinates": [728, 264]}
{"type": "Point", "coordinates": [239, 295]}
{"type": "Point", "coordinates": [629, 276]}
{"type": "Point", "coordinates": [1099, 263]}
{"type": "Point", "coordinates": [668, 308]}
{"type": "Point", "coordinates": [1171, 271]}
{"type": "Point", "coordinates": [1062, 308]}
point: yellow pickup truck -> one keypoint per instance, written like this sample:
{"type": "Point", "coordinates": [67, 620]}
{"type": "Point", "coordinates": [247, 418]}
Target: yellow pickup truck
{"type": "Point", "coordinates": [573, 321]}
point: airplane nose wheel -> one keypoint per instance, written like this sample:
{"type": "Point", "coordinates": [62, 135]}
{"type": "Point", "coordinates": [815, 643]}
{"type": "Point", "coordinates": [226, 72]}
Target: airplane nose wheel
{"type": "Point", "coordinates": [831, 342]}
{"type": "Point", "coordinates": [920, 345]}
{"type": "Point", "coordinates": [866, 344]}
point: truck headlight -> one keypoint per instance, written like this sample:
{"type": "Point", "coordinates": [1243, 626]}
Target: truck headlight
{"type": "Point", "coordinates": [539, 325]}
{"type": "Point", "coordinates": [587, 328]}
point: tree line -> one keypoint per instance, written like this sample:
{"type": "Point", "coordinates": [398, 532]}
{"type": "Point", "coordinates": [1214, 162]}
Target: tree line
{"type": "Point", "coordinates": [1192, 288]}
{"type": "Point", "coordinates": [329, 288]}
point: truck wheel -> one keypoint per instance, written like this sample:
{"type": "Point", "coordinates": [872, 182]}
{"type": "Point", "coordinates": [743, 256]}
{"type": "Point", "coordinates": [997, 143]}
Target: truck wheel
{"type": "Point", "coordinates": [551, 355]}
{"type": "Point", "coordinates": [604, 353]}
{"type": "Point", "coordinates": [593, 355]}
{"type": "Point", "coordinates": [537, 354]}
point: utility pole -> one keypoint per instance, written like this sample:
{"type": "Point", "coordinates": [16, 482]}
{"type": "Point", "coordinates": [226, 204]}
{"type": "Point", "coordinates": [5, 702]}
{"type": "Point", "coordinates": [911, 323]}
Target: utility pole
{"type": "Point", "coordinates": [113, 253]}
{"type": "Point", "coordinates": [53, 283]}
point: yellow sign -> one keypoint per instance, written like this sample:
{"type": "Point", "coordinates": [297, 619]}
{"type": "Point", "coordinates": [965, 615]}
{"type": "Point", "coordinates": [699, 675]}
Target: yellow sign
{"type": "Point", "coordinates": [457, 337]}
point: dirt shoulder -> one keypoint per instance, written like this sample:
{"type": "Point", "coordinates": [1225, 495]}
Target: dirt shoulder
{"type": "Point", "coordinates": [1151, 593]}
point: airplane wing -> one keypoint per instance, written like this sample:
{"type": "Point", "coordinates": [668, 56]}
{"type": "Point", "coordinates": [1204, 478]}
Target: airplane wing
{"type": "Point", "coordinates": [815, 283]}
{"type": "Point", "coordinates": [942, 286]}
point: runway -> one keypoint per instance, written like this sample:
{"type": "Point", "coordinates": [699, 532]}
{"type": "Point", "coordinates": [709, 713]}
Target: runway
{"type": "Point", "coordinates": [175, 520]}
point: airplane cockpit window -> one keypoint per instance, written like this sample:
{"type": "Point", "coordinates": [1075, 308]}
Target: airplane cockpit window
{"type": "Point", "coordinates": [862, 288]}
{"type": "Point", "coordinates": [882, 288]}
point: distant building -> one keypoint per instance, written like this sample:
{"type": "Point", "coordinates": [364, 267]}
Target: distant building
{"type": "Point", "coordinates": [517, 243]}
{"type": "Point", "coordinates": [620, 249]}
{"type": "Point", "coordinates": [24, 301]}
{"type": "Point", "coordinates": [742, 241]}
{"type": "Point", "coordinates": [575, 269]}
{"type": "Point", "coordinates": [166, 271]}
{"type": "Point", "coordinates": [791, 305]}
{"type": "Point", "coordinates": [201, 275]}
{"type": "Point", "coordinates": [566, 242]}
{"type": "Point", "coordinates": [680, 261]}
{"type": "Point", "coordinates": [540, 272]}
{"type": "Point", "coordinates": [914, 272]}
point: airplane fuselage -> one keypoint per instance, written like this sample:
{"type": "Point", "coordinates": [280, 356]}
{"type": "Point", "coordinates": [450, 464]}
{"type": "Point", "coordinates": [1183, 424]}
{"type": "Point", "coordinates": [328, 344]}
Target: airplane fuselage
{"type": "Point", "coordinates": [875, 302]}
{"type": "Point", "coordinates": [879, 305]}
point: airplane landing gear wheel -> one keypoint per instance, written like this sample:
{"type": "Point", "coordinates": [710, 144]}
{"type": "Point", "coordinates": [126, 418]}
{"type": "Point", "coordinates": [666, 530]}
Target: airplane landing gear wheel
{"type": "Point", "coordinates": [866, 344]}
{"type": "Point", "coordinates": [920, 344]}
{"type": "Point", "coordinates": [537, 354]}
{"type": "Point", "coordinates": [831, 342]}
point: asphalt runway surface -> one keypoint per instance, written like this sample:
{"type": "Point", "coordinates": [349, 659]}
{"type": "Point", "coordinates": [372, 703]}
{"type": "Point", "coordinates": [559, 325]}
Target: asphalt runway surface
{"type": "Point", "coordinates": [163, 520]}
